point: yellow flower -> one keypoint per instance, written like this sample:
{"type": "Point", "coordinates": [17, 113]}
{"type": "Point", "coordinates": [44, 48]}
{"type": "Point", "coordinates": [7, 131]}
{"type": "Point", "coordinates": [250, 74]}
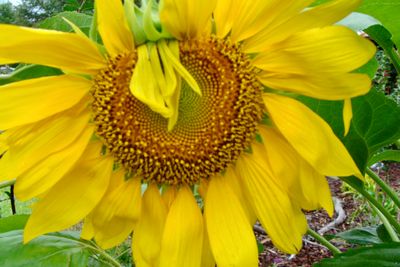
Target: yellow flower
{"type": "Point", "coordinates": [187, 98]}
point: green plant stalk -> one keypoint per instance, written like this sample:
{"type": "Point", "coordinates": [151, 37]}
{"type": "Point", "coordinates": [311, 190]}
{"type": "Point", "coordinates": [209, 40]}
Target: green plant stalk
{"type": "Point", "coordinates": [93, 27]}
{"type": "Point", "coordinates": [323, 241]}
{"type": "Point", "coordinates": [385, 187]}
{"type": "Point", "coordinates": [387, 225]}
{"type": "Point", "coordinates": [104, 255]}
{"type": "Point", "coordinates": [381, 208]}
{"type": "Point", "coordinates": [6, 184]}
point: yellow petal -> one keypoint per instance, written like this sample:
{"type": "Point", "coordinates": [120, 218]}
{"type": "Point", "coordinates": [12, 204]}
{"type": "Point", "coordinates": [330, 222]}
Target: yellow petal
{"type": "Point", "coordinates": [67, 51]}
{"type": "Point", "coordinates": [186, 19]}
{"type": "Point", "coordinates": [347, 115]}
{"type": "Point", "coordinates": [315, 63]}
{"type": "Point", "coordinates": [169, 196]}
{"type": "Point", "coordinates": [43, 175]}
{"type": "Point", "coordinates": [149, 230]}
{"type": "Point", "coordinates": [73, 197]}
{"type": "Point", "coordinates": [113, 27]}
{"type": "Point", "coordinates": [306, 187]}
{"type": "Point", "coordinates": [229, 230]}
{"type": "Point", "coordinates": [310, 136]}
{"type": "Point", "coordinates": [33, 100]}
{"type": "Point", "coordinates": [271, 204]}
{"type": "Point", "coordinates": [329, 87]}
{"type": "Point", "coordinates": [145, 83]}
{"type": "Point", "coordinates": [254, 16]}
{"type": "Point", "coordinates": [238, 191]}
{"type": "Point", "coordinates": [39, 141]}
{"type": "Point", "coordinates": [207, 258]}
{"type": "Point", "coordinates": [118, 211]}
{"type": "Point", "coordinates": [182, 239]}
{"type": "Point", "coordinates": [315, 188]}
{"type": "Point", "coordinates": [323, 50]}
{"type": "Point", "coordinates": [88, 229]}
{"type": "Point", "coordinates": [317, 17]}
{"type": "Point", "coordinates": [173, 81]}
{"type": "Point", "coordinates": [225, 14]}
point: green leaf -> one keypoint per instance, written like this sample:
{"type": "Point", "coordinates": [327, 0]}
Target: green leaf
{"type": "Point", "coordinates": [24, 72]}
{"type": "Point", "coordinates": [71, 5]}
{"type": "Point", "coordinates": [384, 39]}
{"type": "Point", "coordinates": [383, 234]}
{"type": "Point", "coordinates": [382, 255]}
{"type": "Point", "coordinates": [370, 68]}
{"type": "Point", "coordinates": [260, 247]}
{"type": "Point", "coordinates": [358, 21]}
{"type": "Point", "coordinates": [381, 35]}
{"type": "Point", "coordinates": [15, 222]}
{"type": "Point", "coordinates": [392, 155]}
{"type": "Point", "coordinates": [57, 22]}
{"type": "Point", "coordinates": [387, 12]}
{"type": "Point", "coordinates": [55, 249]}
{"type": "Point", "coordinates": [360, 236]}
{"type": "Point", "coordinates": [376, 123]}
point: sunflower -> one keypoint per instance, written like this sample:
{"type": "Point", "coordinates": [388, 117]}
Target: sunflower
{"type": "Point", "coordinates": [182, 124]}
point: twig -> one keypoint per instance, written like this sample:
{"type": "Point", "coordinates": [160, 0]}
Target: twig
{"type": "Point", "coordinates": [259, 229]}
{"type": "Point", "coordinates": [339, 219]}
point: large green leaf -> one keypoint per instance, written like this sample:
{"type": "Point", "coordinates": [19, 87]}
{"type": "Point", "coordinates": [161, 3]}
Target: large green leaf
{"type": "Point", "coordinates": [57, 22]}
{"type": "Point", "coordinates": [392, 155]}
{"type": "Point", "coordinates": [358, 21]}
{"type": "Point", "coordinates": [15, 222]}
{"type": "Point", "coordinates": [382, 255]}
{"type": "Point", "coordinates": [55, 249]}
{"type": "Point", "coordinates": [361, 236]}
{"type": "Point", "coordinates": [375, 124]}
{"type": "Point", "coordinates": [24, 72]}
{"type": "Point", "coordinates": [387, 12]}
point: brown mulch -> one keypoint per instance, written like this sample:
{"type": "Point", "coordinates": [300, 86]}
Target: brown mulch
{"type": "Point", "coordinates": [312, 251]}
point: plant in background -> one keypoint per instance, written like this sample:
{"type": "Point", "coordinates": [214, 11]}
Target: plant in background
{"type": "Point", "coordinates": [180, 97]}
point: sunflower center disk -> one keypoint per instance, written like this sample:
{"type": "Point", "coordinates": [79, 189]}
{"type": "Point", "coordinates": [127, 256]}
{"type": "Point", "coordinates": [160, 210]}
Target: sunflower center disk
{"type": "Point", "coordinates": [211, 131]}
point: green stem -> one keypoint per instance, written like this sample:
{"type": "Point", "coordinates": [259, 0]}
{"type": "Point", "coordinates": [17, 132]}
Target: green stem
{"type": "Point", "coordinates": [387, 225]}
{"type": "Point", "coordinates": [7, 183]}
{"type": "Point", "coordinates": [323, 241]}
{"type": "Point", "coordinates": [388, 190]}
{"type": "Point", "coordinates": [381, 208]}
{"type": "Point", "coordinates": [93, 27]}
{"type": "Point", "coordinates": [104, 255]}
{"type": "Point", "coordinates": [81, 6]}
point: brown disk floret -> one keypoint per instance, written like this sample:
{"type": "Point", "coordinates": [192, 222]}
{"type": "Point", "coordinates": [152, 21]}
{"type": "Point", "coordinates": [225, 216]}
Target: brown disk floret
{"type": "Point", "coordinates": [212, 130]}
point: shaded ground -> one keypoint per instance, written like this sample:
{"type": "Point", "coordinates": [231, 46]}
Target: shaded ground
{"type": "Point", "coordinates": [312, 252]}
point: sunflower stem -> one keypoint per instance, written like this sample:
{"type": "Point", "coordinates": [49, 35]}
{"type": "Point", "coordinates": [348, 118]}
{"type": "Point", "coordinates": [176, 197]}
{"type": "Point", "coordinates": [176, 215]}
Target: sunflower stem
{"type": "Point", "coordinates": [113, 262]}
{"type": "Point", "coordinates": [7, 183]}
{"type": "Point", "coordinates": [389, 228]}
{"type": "Point", "coordinates": [93, 27]}
{"type": "Point", "coordinates": [385, 187]}
{"type": "Point", "coordinates": [323, 241]}
{"type": "Point", "coordinates": [380, 207]}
